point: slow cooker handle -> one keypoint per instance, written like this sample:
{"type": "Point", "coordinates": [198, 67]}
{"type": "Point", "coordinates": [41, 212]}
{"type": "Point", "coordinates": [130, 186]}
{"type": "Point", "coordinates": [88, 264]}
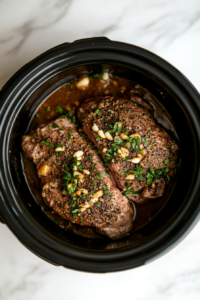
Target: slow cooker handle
{"type": "Point", "coordinates": [1, 220]}
{"type": "Point", "coordinates": [94, 39]}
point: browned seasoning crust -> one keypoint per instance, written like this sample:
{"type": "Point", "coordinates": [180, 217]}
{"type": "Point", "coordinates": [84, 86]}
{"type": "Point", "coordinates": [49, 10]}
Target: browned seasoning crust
{"type": "Point", "coordinates": [74, 181]}
{"type": "Point", "coordinates": [141, 154]}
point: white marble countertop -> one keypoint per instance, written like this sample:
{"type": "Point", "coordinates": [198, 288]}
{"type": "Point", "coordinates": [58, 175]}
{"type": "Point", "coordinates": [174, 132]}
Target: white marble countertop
{"type": "Point", "coordinates": [169, 28]}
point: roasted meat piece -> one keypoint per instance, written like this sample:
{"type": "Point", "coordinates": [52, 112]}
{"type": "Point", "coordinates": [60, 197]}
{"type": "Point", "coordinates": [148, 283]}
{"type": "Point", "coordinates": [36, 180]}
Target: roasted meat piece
{"type": "Point", "coordinates": [74, 181]}
{"type": "Point", "coordinates": [140, 154]}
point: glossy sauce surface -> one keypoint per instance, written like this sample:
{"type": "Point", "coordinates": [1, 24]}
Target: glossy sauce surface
{"type": "Point", "coordinates": [68, 98]}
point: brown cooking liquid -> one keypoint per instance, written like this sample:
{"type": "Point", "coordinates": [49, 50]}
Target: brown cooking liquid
{"type": "Point", "coordinates": [69, 97]}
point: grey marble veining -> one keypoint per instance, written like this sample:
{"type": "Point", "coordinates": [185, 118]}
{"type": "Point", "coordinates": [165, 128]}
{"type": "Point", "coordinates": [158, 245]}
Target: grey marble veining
{"type": "Point", "coordinates": [169, 28]}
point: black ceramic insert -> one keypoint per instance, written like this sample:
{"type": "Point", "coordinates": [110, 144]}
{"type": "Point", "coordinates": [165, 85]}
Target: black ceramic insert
{"type": "Point", "coordinates": [19, 99]}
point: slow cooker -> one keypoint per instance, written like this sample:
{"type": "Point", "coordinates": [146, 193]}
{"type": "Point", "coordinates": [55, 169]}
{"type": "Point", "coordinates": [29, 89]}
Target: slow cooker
{"type": "Point", "coordinates": [19, 99]}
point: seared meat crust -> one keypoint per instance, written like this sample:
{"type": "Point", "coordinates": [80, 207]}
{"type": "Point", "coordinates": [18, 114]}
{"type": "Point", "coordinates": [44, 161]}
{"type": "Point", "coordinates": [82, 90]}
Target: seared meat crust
{"type": "Point", "coordinates": [74, 181]}
{"type": "Point", "coordinates": [141, 154]}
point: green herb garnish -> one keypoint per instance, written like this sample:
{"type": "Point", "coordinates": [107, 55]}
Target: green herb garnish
{"type": "Point", "coordinates": [116, 128]}
{"type": "Point", "coordinates": [99, 204]}
{"type": "Point", "coordinates": [46, 143]}
{"type": "Point", "coordinates": [138, 172]}
{"type": "Point", "coordinates": [144, 140]}
{"type": "Point", "coordinates": [100, 175]}
{"type": "Point", "coordinates": [70, 135]}
{"type": "Point", "coordinates": [166, 161]}
{"type": "Point", "coordinates": [75, 210]}
{"type": "Point", "coordinates": [126, 132]}
{"type": "Point", "coordinates": [55, 125]}
{"type": "Point", "coordinates": [97, 75]}
{"type": "Point", "coordinates": [71, 189]}
{"type": "Point", "coordinates": [96, 111]}
{"type": "Point", "coordinates": [59, 109]}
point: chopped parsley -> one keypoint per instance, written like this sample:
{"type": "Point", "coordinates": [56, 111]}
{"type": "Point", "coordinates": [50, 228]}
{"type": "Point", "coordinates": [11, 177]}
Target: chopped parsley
{"type": "Point", "coordinates": [97, 75]}
{"type": "Point", "coordinates": [102, 116]}
{"type": "Point", "coordinates": [71, 189]}
{"type": "Point", "coordinates": [66, 166]}
{"type": "Point", "coordinates": [55, 125]}
{"type": "Point", "coordinates": [144, 140]}
{"type": "Point", "coordinates": [124, 173]}
{"type": "Point", "coordinates": [138, 172]}
{"type": "Point", "coordinates": [118, 140]}
{"type": "Point", "coordinates": [59, 109]}
{"type": "Point", "coordinates": [68, 83]}
{"type": "Point", "coordinates": [128, 191]}
{"type": "Point", "coordinates": [166, 161]}
{"type": "Point", "coordinates": [75, 211]}
{"type": "Point", "coordinates": [134, 143]}
{"type": "Point", "coordinates": [90, 157]}
{"type": "Point", "coordinates": [149, 178]}
{"type": "Point", "coordinates": [70, 135]}
{"type": "Point", "coordinates": [149, 148]}
{"type": "Point", "coordinates": [126, 132]}
{"type": "Point", "coordinates": [154, 174]}
{"type": "Point", "coordinates": [58, 153]}
{"type": "Point", "coordinates": [116, 128]}
{"type": "Point", "coordinates": [96, 111]}
{"type": "Point", "coordinates": [48, 109]}
{"type": "Point", "coordinates": [67, 176]}
{"type": "Point", "coordinates": [125, 159]}
{"type": "Point", "coordinates": [99, 204]}
{"type": "Point", "coordinates": [80, 167]}
{"type": "Point", "coordinates": [37, 115]}
{"type": "Point", "coordinates": [73, 119]}
{"type": "Point", "coordinates": [98, 138]}
{"type": "Point", "coordinates": [100, 175]}
{"type": "Point", "coordinates": [99, 151]}
{"type": "Point", "coordinates": [59, 146]}
{"type": "Point", "coordinates": [46, 143]}
{"type": "Point", "coordinates": [168, 177]}
{"type": "Point", "coordinates": [149, 132]}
